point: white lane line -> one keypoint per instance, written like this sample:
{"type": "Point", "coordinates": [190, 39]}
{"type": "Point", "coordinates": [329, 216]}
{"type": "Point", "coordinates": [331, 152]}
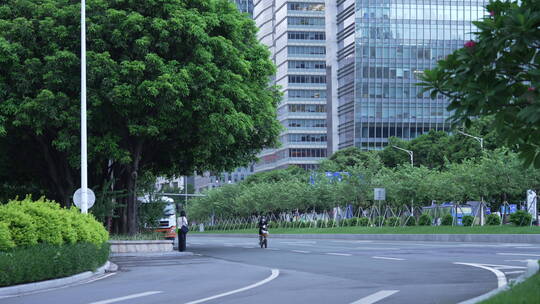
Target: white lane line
{"type": "Point", "coordinates": [504, 266]}
{"type": "Point", "coordinates": [388, 258]}
{"type": "Point", "coordinates": [275, 274]}
{"type": "Point", "coordinates": [273, 249]}
{"type": "Point", "coordinates": [301, 251]}
{"type": "Point", "coordinates": [375, 297]}
{"type": "Point", "coordinates": [501, 278]}
{"type": "Point", "coordinates": [100, 278]}
{"type": "Point", "coordinates": [527, 247]}
{"type": "Point", "coordinates": [512, 272]}
{"type": "Point", "coordinates": [339, 254]}
{"type": "Point", "coordinates": [133, 296]}
{"type": "Point", "coordinates": [525, 254]}
{"type": "Point", "coordinates": [522, 261]}
{"type": "Point", "coordinates": [247, 247]}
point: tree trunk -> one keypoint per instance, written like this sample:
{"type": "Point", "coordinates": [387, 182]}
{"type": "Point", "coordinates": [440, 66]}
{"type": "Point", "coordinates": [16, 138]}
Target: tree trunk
{"type": "Point", "coordinates": [132, 208]}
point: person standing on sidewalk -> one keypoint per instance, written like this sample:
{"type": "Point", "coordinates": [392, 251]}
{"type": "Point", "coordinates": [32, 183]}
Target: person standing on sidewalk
{"type": "Point", "coordinates": [182, 223]}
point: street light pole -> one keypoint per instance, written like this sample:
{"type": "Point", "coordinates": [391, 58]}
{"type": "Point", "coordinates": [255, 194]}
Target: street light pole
{"type": "Point", "coordinates": [479, 139]}
{"type": "Point", "coordinates": [411, 154]}
{"type": "Point", "coordinates": [84, 168]}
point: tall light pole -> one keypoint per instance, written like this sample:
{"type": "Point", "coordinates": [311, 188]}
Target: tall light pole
{"type": "Point", "coordinates": [84, 168]}
{"type": "Point", "coordinates": [411, 154]}
{"type": "Point", "coordinates": [479, 139]}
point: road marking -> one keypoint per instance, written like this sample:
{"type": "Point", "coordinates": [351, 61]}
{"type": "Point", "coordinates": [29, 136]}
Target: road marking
{"type": "Point", "coordinates": [275, 274]}
{"type": "Point", "coordinates": [522, 261]}
{"type": "Point", "coordinates": [527, 247]}
{"type": "Point", "coordinates": [340, 254]}
{"type": "Point", "coordinates": [504, 266]}
{"type": "Point", "coordinates": [377, 248]}
{"type": "Point", "coordinates": [525, 254]}
{"type": "Point", "coordinates": [501, 278]}
{"type": "Point", "coordinates": [301, 251]}
{"type": "Point", "coordinates": [273, 249]}
{"type": "Point", "coordinates": [376, 297]}
{"type": "Point", "coordinates": [100, 278]}
{"type": "Point", "coordinates": [512, 272]}
{"type": "Point", "coordinates": [388, 258]}
{"type": "Point", "coordinates": [133, 296]}
{"type": "Point", "coordinates": [246, 247]}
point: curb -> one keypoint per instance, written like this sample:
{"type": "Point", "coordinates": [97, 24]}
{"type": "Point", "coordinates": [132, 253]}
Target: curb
{"type": "Point", "coordinates": [476, 238]}
{"type": "Point", "coordinates": [532, 268]}
{"type": "Point", "coordinates": [12, 291]}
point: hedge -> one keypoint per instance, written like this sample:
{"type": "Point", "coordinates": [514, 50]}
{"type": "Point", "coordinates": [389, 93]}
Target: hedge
{"type": "Point", "coordinates": [46, 261]}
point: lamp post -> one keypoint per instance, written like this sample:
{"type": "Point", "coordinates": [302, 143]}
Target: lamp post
{"type": "Point", "coordinates": [479, 139]}
{"type": "Point", "coordinates": [411, 154]}
{"type": "Point", "coordinates": [84, 168]}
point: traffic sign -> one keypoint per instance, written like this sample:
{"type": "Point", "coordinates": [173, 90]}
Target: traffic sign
{"type": "Point", "coordinates": [380, 194]}
{"type": "Point", "coordinates": [77, 197]}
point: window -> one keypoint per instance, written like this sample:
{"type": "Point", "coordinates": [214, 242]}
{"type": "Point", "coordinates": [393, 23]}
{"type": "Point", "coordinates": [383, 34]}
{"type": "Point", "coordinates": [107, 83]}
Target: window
{"type": "Point", "coordinates": [306, 123]}
{"type": "Point", "coordinates": [307, 79]}
{"type": "Point", "coordinates": [307, 152]}
{"type": "Point", "coordinates": [305, 21]}
{"type": "Point", "coordinates": [307, 50]}
{"type": "Point", "coordinates": [306, 94]}
{"type": "Point", "coordinates": [307, 137]}
{"type": "Point", "coordinates": [306, 64]}
{"type": "Point", "coordinates": [302, 6]}
{"type": "Point", "coordinates": [307, 108]}
{"type": "Point", "coordinates": [306, 36]}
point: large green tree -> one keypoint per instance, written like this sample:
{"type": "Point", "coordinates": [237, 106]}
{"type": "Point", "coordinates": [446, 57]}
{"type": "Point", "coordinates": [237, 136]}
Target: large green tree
{"type": "Point", "coordinates": [498, 73]}
{"type": "Point", "coordinates": [174, 86]}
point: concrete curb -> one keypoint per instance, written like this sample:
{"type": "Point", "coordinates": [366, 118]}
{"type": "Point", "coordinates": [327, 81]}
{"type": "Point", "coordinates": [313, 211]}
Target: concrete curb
{"type": "Point", "coordinates": [152, 254]}
{"type": "Point", "coordinates": [532, 268]}
{"type": "Point", "coordinates": [17, 290]}
{"type": "Point", "coordinates": [475, 238]}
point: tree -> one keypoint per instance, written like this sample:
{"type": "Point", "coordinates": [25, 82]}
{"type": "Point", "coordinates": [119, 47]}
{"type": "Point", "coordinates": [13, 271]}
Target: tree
{"type": "Point", "coordinates": [174, 87]}
{"type": "Point", "coordinates": [350, 157]}
{"type": "Point", "coordinates": [498, 74]}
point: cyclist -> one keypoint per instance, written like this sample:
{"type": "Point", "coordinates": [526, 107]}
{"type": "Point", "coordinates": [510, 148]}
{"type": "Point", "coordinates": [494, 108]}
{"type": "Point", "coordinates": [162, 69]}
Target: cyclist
{"type": "Point", "coordinates": [263, 228]}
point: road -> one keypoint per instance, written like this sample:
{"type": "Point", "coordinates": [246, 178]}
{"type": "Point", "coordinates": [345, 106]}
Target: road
{"type": "Point", "coordinates": [235, 270]}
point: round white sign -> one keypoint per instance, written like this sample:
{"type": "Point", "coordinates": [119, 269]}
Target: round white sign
{"type": "Point", "coordinates": [77, 197]}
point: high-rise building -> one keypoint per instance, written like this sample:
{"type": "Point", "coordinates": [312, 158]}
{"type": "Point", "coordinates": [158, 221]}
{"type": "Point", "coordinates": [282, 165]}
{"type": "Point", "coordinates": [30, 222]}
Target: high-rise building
{"type": "Point", "coordinates": [245, 6]}
{"type": "Point", "coordinates": [380, 49]}
{"type": "Point", "coordinates": [294, 31]}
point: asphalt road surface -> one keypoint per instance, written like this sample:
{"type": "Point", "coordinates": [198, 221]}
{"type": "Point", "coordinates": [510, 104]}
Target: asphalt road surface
{"type": "Point", "coordinates": [236, 270]}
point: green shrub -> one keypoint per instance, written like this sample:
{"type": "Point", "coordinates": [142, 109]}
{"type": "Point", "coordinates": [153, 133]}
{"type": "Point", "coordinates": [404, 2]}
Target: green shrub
{"type": "Point", "coordinates": [521, 218]}
{"type": "Point", "coordinates": [320, 223]}
{"type": "Point", "coordinates": [493, 220]}
{"type": "Point", "coordinates": [45, 261]}
{"type": "Point", "coordinates": [21, 225]}
{"type": "Point", "coordinates": [48, 218]}
{"type": "Point", "coordinates": [467, 220]}
{"type": "Point", "coordinates": [331, 223]}
{"type": "Point", "coordinates": [363, 221]}
{"type": "Point", "coordinates": [378, 221]}
{"type": "Point", "coordinates": [447, 220]}
{"type": "Point", "coordinates": [424, 220]}
{"type": "Point", "coordinates": [392, 221]}
{"type": "Point", "coordinates": [353, 221]}
{"type": "Point", "coordinates": [5, 237]}
{"type": "Point", "coordinates": [410, 221]}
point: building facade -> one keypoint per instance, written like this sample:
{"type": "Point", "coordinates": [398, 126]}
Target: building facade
{"type": "Point", "coordinates": [295, 33]}
{"type": "Point", "coordinates": [245, 6]}
{"type": "Point", "coordinates": [381, 48]}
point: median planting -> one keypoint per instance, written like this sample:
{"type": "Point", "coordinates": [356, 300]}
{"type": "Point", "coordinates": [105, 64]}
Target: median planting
{"type": "Point", "coordinates": [39, 240]}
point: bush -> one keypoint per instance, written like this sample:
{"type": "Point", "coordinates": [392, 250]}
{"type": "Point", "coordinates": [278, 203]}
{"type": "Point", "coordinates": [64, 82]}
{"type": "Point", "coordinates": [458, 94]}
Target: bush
{"type": "Point", "coordinates": [493, 220]}
{"type": "Point", "coordinates": [378, 221]}
{"type": "Point", "coordinates": [424, 220]}
{"type": "Point", "coordinates": [392, 221]}
{"type": "Point", "coordinates": [447, 220]}
{"type": "Point", "coordinates": [45, 261]}
{"type": "Point", "coordinates": [21, 226]}
{"type": "Point", "coordinates": [467, 220]}
{"type": "Point", "coordinates": [410, 221]}
{"type": "Point", "coordinates": [521, 218]}
{"type": "Point", "coordinates": [363, 221]}
{"type": "Point", "coordinates": [5, 237]}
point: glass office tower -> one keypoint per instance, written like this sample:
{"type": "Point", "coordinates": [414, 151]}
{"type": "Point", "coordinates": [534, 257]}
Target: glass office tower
{"type": "Point", "coordinates": [382, 48]}
{"type": "Point", "coordinates": [294, 31]}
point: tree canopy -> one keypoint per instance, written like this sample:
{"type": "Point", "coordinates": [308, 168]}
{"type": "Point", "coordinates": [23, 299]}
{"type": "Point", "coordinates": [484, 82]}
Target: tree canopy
{"type": "Point", "coordinates": [174, 86]}
{"type": "Point", "coordinates": [498, 74]}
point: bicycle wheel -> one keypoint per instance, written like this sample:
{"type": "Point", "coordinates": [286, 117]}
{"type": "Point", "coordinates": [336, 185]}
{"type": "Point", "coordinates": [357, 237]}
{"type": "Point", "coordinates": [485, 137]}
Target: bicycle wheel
{"type": "Point", "coordinates": [265, 243]}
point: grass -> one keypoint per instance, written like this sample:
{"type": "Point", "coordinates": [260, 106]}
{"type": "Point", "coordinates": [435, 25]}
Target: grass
{"type": "Point", "coordinates": [147, 236]}
{"type": "Point", "coordinates": [506, 229]}
{"type": "Point", "coordinates": [525, 292]}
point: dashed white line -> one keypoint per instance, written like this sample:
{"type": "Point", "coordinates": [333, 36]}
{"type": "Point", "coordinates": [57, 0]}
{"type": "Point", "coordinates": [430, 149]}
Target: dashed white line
{"type": "Point", "coordinates": [275, 274]}
{"type": "Point", "coordinates": [501, 278]}
{"type": "Point", "coordinates": [339, 254]}
{"type": "Point", "coordinates": [524, 254]}
{"type": "Point", "coordinates": [388, 258]}
{"type": "Point", "coordinates": [375, 297]}
{"type": "Point", "coordinates": [133, 296]}
{"type": "Point", "coordinates": [301, 251]}
{"type": "Point", "coordinates": [522, 261]}
{"type": "Point", "coordinates": [527, 247]}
